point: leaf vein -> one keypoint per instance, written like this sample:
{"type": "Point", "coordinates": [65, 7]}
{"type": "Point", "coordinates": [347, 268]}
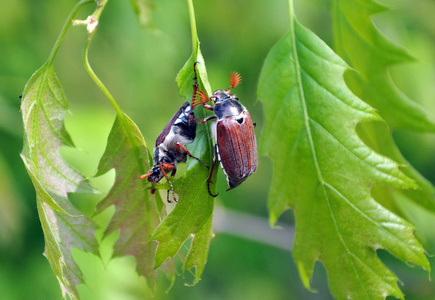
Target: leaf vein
{"type": "Point", "coordinates": [404, 244]}
{"type": "Point", "coordinates": [352, 153]}
{"type": "Point", "coordinates": [340, 236]}
{"type": "Point", "coordinates": [48, 160]}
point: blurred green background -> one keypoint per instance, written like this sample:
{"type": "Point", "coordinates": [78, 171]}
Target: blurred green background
{"type": "Point", "coordinates": [139, 66]}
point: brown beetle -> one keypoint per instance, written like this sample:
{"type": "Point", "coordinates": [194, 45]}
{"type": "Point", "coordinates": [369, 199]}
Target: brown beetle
{"type": "Point", "coordinates": [233, 131]}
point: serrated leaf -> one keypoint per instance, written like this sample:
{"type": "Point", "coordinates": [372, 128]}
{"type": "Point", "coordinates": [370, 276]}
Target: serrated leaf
{"type": "Point", "coordinates": [360, 43]}
{"type": "Point", "coordinates": [199, 250]}
{"type": "Point", "coordinates": [368, 51]}
{"type": "Point", "coordinates": [136, 214]}
{"type": "Point", "coordinates": [377, 136]}
{"type": "Point", "coordinates": [43, 108]}
{"type": "Point", "coordinates": [195, 206]}
{"type": "Point", "coordinates": [324, 172]}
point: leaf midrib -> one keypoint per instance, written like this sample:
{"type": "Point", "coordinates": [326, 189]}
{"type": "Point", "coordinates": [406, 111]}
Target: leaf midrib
{"type": "Point", "coordinates": [304, 104]}
{"type": "Point", "coordinates": [44, 83]}
{"type": "Point", "coordinates": [310, 139]}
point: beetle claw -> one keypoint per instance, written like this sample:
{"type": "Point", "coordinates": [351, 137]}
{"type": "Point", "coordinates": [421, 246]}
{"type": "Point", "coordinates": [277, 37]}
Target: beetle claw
{"type": "Point", "coordinates": [211, 194]}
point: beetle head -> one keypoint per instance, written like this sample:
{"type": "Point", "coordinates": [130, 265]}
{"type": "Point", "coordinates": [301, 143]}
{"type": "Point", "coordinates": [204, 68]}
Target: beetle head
{"type": "Point", "coordinates": [200, 97]}
{"type": "Point", "coordinates": [154, 175]}
{"type": "Point", "coordinates": [221, 95]}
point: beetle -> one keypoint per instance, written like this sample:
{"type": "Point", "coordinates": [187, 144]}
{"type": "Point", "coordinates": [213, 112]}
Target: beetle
{"type": "Point", "coordinates": [233, 131]}
{"type": "Point", "coordinates": [170, 145]}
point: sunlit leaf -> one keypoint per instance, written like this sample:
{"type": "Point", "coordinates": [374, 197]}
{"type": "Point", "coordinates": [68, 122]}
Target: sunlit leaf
{"type": "Point", "coordinates": [43, 108]}
{"type": "Point", "coordinates": [378, 137]}
{"type": "Point", "coordinates": [136, 214]}
{"type": "Point", "coordinates": [360, 43]}
{"type": "Point", "coordinates": [324, 172]}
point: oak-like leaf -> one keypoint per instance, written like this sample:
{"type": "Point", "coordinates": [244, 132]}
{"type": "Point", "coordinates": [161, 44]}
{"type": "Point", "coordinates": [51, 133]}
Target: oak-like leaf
{"type": "Point", "coordinates": [136, 215]}
{"type": "Point", "coordinates": [377, 136]}
{"type": "Point", "coordinates": [324, 172]}
{"type": "Point", "coordinates": [366, 49]}
{"type": "Point", "coordinates": [43, 109]}
{"type": "Point", "coordinates": [370, 54]}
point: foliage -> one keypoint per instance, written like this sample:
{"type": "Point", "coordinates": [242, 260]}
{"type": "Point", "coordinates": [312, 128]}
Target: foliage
{"type": "Point", "coordinates": [369, 52]}
{"type": "Point", "coordinates": [337, 220]}
{"type": "Point", "coordinates": [43, 108]}
{"type": "Point", "coordinates": [334, 161]}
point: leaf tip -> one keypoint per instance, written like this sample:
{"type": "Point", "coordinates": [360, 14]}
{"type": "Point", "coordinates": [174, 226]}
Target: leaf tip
{"type": "Point", "coordinates": [305, 276]}
{"type": "Point", "coordinates": [272, 219]}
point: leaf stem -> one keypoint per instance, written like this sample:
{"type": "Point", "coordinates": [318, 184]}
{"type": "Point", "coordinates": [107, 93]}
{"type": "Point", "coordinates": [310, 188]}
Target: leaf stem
{"type": "Point", "coordinates": [291, 15]}
{"type": "Point", "coordinates": [64, 29]}
{"type": "Point", "coordinates": [193, 27]}
{"type": "Point", "coordinates": [98, 82]}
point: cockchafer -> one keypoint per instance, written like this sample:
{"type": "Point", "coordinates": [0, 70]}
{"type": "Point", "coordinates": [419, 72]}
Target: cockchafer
{"type": "Point", "coordinates": [233, 131]}
{"type": "Point", "coordinates": [170, 148]}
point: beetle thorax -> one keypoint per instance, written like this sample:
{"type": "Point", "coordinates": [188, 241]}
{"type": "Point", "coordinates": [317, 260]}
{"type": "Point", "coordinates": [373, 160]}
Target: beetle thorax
{"type": "Point", "coordinates": [228, 107]}
{"type": "Point", "coordinates": [164, 154]}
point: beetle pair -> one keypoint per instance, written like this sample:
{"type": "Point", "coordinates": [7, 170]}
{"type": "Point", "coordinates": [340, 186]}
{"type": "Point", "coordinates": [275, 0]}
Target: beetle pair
{"type": "Point", "coordinates": [233, 131]}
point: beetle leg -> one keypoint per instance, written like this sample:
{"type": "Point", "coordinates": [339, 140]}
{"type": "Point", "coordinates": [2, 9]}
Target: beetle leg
{"type": "Point", "coordinates": [195, 83]}
{"type": "Point", "coordinates": [181, 147]}
{"type": "Point", "coordinates": [209, 107]}
{"type": "Point", "coordinates": [198, 96]}
{"type": "Point", "coordinates": [168, 166]}
{"type": "Point", "coordinates": [211, 172]}
{"type": "Point", "coordinates": [206, 119]}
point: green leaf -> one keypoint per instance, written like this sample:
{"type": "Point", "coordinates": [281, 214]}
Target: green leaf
{"type": "Point", "coordinates": [192, 214]}
{"type": "Point", "coordinates": [370, 53]}
{"type": "Point", "coordinates": [136, 214]}
{"type": "Point", "coordinates": [324, 172]}
{"type": "Point", "coordinates": [360, 43]}
{"type": "Point", "coordinates": [377, 136]}
{"type": "Point", "coordinates": [194, 209]}
{"type": "Point", "coordinates": [199, 250]}
{"type": "Point", "coordinates": [43, 108]}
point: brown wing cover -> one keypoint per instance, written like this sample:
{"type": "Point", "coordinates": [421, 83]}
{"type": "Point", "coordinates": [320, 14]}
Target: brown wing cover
{"type": "Point", "coordinates": [237, 148]}
{"type": "Point", "coordinates": [168, 126]}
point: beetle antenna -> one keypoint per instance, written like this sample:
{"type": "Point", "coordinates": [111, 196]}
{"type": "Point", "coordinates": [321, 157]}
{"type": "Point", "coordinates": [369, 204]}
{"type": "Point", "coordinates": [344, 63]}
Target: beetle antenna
{"type": "Point", "coordinates": [235, 80]}
{"type": "Point", "coordinates": [201, 98]}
